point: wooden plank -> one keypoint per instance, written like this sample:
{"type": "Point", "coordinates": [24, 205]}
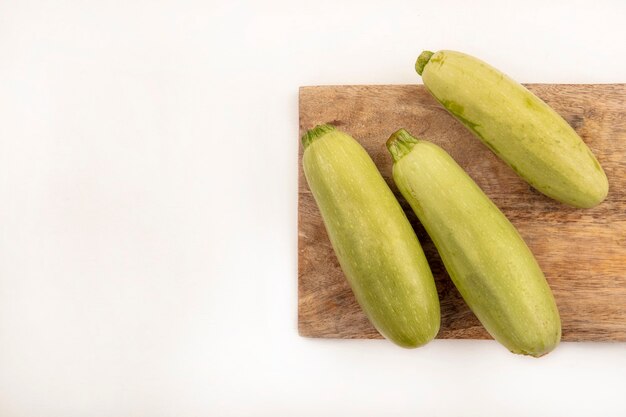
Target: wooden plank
{"type": "Point", "coordinates": [582, 252]}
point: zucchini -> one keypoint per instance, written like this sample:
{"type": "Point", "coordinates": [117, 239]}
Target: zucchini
{"type": "Point", "coordinates": [374, 242]}
{"type": "Point", "coordinates": [485, 256]}
{"type": "Point", "coordinates": [517, 126]}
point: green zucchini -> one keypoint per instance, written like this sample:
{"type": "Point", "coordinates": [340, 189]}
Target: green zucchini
{"type": "Point", "coordinates": [485, 256]}
{"type": "Point", "coordinates": [372, 238]}
{"type": "Point", "coordinates": [517, 126]}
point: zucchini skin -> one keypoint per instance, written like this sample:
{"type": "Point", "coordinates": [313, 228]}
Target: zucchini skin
{"type": "Point", "coordinates": [375, 244]}
{"type": "Point", "coordinates": [486, 258]}
{"type": "Point", "coordinates": [519, 127]}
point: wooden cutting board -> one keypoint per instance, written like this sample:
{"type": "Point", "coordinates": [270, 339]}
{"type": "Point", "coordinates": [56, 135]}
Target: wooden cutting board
{"type": "Point", "coordinates": [582, 252]}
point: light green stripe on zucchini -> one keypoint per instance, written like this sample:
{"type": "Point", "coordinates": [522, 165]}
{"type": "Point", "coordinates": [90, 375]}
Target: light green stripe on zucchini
{"type": "Point", "coordinates": [372, 238]}
{"type": "Point", "coordinates": [517, 126]}
{"type": "Point", "coordinates": [487, 259]}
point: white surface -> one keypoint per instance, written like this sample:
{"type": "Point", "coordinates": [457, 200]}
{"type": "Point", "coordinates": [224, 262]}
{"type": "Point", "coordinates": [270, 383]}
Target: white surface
{"type": "Point", "coordinates": [148, 217]}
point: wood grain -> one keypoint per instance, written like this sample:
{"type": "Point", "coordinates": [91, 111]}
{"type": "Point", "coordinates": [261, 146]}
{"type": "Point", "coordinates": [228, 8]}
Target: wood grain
{"type": "Point", "coordinates": [582, 252]}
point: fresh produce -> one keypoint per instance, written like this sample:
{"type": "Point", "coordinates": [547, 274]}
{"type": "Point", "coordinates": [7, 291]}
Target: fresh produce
{"type": "Point", "coordinates": [517, 126]}
{"type": "Point", "coordinates": [486, 258]}
{"type": "Point", "coordinates": [372, 238]}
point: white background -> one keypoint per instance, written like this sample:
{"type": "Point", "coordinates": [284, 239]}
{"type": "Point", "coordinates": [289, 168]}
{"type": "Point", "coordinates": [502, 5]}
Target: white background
{"type": "Point", "coordinates": [148, 208]}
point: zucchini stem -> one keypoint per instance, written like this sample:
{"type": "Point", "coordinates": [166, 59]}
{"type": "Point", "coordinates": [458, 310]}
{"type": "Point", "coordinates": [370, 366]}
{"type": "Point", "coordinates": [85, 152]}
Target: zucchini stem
{"type": "Point", "coordinates": [317, 132]}
{"type": "Point", "coordinates": [400, 143]}
{"type": "Point", "coordinates": [422, 60]}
